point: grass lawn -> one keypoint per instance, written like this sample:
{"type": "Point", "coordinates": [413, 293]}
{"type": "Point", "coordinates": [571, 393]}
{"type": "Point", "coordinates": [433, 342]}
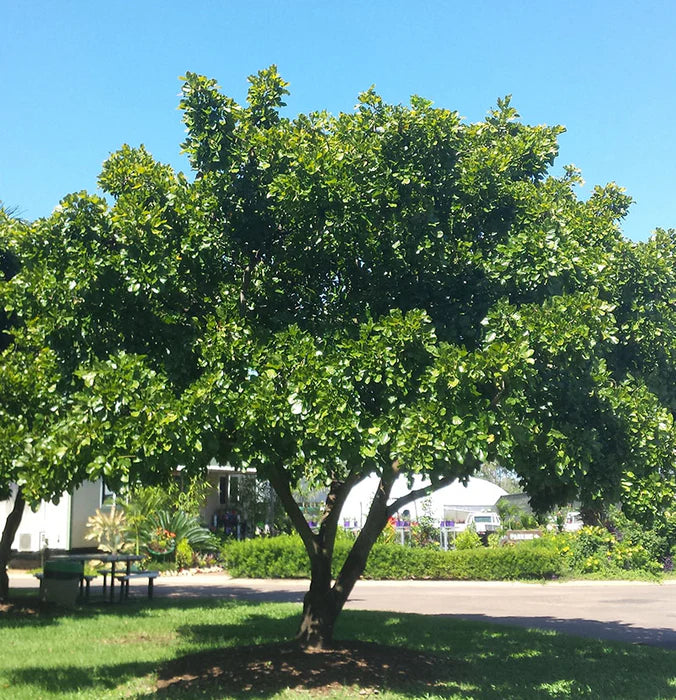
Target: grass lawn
{"type": "Point", "coordinates": [110, 651]}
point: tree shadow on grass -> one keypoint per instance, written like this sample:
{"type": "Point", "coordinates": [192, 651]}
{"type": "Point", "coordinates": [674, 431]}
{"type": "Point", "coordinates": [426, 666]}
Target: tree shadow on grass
{"type": "Point", "coordinates": [254, 629]}
{"type": "Point", "coordinates": [96, 679]}
{"type": "Point", "coordinates": [267, 669]}
{"type": "Point", "coordinates": [68, 679]}
{"type": "Point", "coordinates": [413, 655]}
{"type": "Point", "coordinates": [501, 661]}
{"type": "Point", "coordinates": [26, 610]}
{"type": "Point", "coordinates": [231, 592]}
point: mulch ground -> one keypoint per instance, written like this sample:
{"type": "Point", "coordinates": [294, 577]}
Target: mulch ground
{"type": "Point", "coordinates": [269, 668]}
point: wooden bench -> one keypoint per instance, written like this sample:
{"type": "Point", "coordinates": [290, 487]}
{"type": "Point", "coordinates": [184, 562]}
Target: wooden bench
{"type": "Point", "coordinates": [125, 578]}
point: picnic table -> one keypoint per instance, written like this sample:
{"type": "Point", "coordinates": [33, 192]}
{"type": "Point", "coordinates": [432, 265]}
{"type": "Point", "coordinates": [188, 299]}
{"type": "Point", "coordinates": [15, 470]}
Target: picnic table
{"type": "Point", "coordinates": [113, 559]}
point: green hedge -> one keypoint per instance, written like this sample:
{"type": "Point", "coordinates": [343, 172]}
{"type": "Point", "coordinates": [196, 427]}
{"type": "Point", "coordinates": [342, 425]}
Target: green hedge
{"type": "Point", "coordinates": [285, 557]}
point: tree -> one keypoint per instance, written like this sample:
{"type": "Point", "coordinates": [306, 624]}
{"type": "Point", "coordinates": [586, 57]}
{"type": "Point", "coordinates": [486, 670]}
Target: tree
{"type": "Point", "coordinates": [389, 291]}
{"type": "Point", "coordinates": [46, 445]}
{"type": "Point", "coordinates": [496, 474]}
{"type": "Point", "coordinates": [26, 388]}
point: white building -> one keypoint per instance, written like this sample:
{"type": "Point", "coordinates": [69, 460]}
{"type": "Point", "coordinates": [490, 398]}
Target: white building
{"type": "Point", "coordinates": [63, 525]}
{"type": "Point", "coordinates": [59, 525]}
{"type": "Point", "coordinates": [453, 502]}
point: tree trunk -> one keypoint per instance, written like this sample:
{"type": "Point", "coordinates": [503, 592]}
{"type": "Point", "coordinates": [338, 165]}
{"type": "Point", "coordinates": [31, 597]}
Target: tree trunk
{"type": "Point", "coordinates": [323, 602]}
{"type": "Point", "coordinates": [8, 535]}
{"type": "Point", "coordinates": [319, 608]}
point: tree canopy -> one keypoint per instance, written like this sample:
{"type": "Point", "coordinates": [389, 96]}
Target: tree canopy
{"type": "Point", "coordinates": [391, 291]}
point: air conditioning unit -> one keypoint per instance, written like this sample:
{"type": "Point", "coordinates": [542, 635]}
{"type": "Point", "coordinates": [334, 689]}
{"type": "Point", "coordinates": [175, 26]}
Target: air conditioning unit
{"type": "Point", "coordinates": [25, 542]}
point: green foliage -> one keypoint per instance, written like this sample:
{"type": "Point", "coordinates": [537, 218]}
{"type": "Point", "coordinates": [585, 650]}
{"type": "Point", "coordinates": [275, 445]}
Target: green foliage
{"type": "Point", "coordinates": [657, 541]}
{"type": "Point", "coordinates": [589, 551]}
{"type": "Point", "coordinates": [160, 542]}
{"type": "Point", "coordinates": [493, 539]}
{"type": "Point", "coordinates": [260, 504]}
{"type": "Point", "coordinates": [666, 529]}
{"type": "Point", "coordinates": [467, 539]}
{"type": "Point", "coordinates": [275, 557]}
{"type": "Point", "coordinates": [388, 535]}
{"type": "Point", "coordinates": [109, 529]}
{"type": "Point", "coordinates": [285, 557]}
{"type": "Point", "coordinates": [450, 305]}
{"type": "Point", "coordinates": [493, 472]}
{"type": "Point", "coordinates": [514, 517]}
{"type": "Point", "coordinates": [595, 550]}
{"type": "Point", "coordinates": [425, 532]}
{"type": "Point", "coordinates": [390, 290]}
{"type": "Point", "coordinates": [184, 527]}
{"type": "Point", "coordinates": [510, 514]}
{"type": "Point", "coordinates": [188, 495]}
{"type": "Point", "coordinates": [144, 503]}
{"type": "Point", "coordinates": [141, 506]}
{"type": "Point", "coordinates": [184, 554]}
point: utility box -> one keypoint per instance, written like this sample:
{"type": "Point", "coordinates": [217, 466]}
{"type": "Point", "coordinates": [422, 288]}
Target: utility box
{"type": "Point", "coordinates": [61, 582]}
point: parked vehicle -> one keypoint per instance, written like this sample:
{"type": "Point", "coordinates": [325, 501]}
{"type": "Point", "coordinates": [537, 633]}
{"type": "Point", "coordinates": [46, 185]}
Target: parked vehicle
{"type": "Point", "coordinates": [484, 521]}
{"type": "Point", "coordinates": [573, 522]}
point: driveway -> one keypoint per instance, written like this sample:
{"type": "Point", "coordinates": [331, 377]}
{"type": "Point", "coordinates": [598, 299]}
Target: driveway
{"type": "Point", "coordinates": [641, 613]}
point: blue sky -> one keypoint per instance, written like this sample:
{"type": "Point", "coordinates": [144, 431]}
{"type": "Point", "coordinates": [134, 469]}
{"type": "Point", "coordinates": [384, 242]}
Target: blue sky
{"type": "Point", "coordinates": [82, 78]}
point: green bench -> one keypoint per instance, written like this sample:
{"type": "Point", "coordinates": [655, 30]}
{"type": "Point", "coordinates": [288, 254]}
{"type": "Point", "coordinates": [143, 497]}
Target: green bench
{"type": "Point", "coordinates": [124, 579]}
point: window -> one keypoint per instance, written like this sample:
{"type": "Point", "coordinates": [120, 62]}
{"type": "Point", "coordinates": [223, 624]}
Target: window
{"type": "Point", "coordinates": [234, 489]}
{"type": "Point", "coordinates": [108, 496]}
{"type": "Point", "coordinates": [228, 490]}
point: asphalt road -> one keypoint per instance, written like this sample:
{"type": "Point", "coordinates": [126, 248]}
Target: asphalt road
{"type": "Point", "coordinates": [641, 613]}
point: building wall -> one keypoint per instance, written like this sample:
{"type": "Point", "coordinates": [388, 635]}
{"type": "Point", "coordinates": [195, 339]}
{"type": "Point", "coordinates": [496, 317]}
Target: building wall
{"type": "Point", "coordinates": [212, 504]}
{"type": "Point", "coordinates": [86, 500]}
{"type": "Point", "coordinates": [48, 525]}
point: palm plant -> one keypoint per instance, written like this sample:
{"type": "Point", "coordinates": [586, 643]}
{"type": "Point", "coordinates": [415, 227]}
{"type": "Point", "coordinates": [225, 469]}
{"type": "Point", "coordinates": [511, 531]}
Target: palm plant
{"type": "Point", "coordinates": [184, 527]}
{"type": "Point", "coordinates": [109, 529]}
{"type": "Point", "coordinates": [143, 504]}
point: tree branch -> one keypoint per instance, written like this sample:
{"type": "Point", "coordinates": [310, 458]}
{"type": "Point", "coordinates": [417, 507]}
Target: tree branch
{"type": "Point", "coordinates": [376, 519]}
{"type": "Point", "coordinates": [419, 493]}
{"type": "Point", "coordinates": [334, 504]}
{"type": "Point", "coordinates": [283, 489]}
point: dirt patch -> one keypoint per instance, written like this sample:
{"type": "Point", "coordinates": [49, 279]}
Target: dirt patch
{"type": "Point", "coordinates": [266, 669]}
{"type": "Point", "coordinates": [140, 638]}
{"type": "Point", "coordinates": [19, 609]}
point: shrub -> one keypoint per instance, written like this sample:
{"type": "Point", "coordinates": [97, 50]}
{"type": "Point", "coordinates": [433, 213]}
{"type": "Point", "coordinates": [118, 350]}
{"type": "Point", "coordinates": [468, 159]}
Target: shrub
{"type": "Point", "coordinates": [274, 557]}
{"type": "Point", "coordinates": [184, 555]}
{"type": "Point", "coordinates": [389, 534]}
{"type": "Point", "coordinates": [594, 549]}
{"type": "Point", "coordinates": [285, 557]}
{"type": "Point", "coordinates": [468, 539]}
{"type": "Point", "coordinates": [632, 533]}
{"type": "Point", "coordinates": [493, 540]}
